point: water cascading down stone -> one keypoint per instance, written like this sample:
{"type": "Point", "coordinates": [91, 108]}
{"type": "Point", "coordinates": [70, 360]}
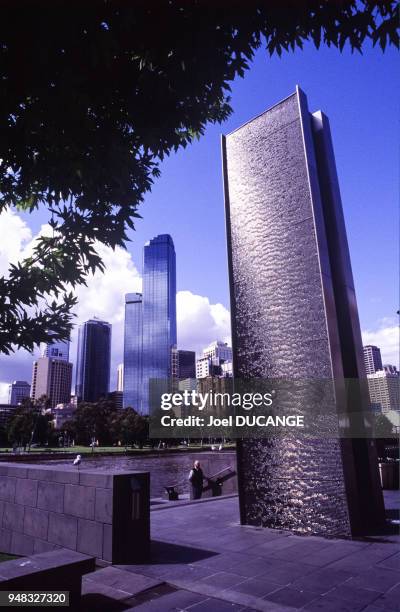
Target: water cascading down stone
{"type": "Point", "coordinates": [294, 315]}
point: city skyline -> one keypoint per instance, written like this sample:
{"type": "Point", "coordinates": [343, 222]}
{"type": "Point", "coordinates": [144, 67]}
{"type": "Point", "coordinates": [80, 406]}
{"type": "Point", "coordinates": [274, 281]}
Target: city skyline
{"type": "Point", "coordinates": [187, 201]}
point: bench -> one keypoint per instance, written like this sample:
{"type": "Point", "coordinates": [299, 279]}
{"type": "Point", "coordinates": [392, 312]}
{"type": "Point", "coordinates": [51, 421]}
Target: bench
{"type": "Point", "coordinates": [57, 570]}
{"type": "Point", "coordinates": [172, 493]}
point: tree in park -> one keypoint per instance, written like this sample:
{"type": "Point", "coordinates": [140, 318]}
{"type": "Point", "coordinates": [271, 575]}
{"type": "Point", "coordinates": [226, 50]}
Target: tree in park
{"type": "Point", "coordinates": [29, 423]}
{"type": "Point", "coordinates": [95, 94]}
{"type": "Point", "coordinates": [91, 421]}
{"type": "Point", "coordinates": [128, 428]}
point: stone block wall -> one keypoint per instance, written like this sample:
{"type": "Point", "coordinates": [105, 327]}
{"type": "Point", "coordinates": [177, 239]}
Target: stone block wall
{"type": "Point", "coordinates": [98, 513]}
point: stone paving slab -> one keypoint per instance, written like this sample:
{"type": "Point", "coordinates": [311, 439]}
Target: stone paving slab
{"type": "Point", "coordinates": [290, 571]}
{"type": "Point", "coordinates": [333, 604]}
{"type": "Point", "coordinates": [177, 600]}
{"type": "Point", "coordinates": [210, 562]}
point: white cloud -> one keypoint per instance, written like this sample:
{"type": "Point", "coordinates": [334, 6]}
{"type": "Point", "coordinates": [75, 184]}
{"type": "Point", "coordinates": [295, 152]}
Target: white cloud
{"type": "Point", "coordinates": [3, 393]}
{"type": "Point", "coordinates": [199, 321]}
{"type": "Point", "coordinates": [103, 296]}
{"type": "Point", "coordinates": [386, 337]}
{"type": "Point", "coordinates": [15, 234]}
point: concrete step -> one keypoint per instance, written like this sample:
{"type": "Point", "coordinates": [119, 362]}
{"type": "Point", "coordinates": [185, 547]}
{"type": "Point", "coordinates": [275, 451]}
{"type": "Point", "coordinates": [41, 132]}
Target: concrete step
{"type": "Point", "coordinates": [113, 581]}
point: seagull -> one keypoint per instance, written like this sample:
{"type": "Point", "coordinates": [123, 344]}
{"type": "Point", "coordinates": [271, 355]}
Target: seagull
{"type": "Point", "coordinates": [77, 460]}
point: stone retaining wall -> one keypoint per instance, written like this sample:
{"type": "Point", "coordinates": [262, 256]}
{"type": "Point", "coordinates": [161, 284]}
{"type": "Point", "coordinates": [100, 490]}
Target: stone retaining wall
{"type": "Point", "coordinates": [105, 514]}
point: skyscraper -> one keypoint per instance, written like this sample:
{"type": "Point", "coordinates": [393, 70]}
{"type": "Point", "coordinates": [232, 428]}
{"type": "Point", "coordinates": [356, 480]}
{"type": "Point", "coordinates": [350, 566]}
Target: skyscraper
{"type": "Point", "coordinates": [183, 364]}
{"type": "Point", "coordinates": [17, 391]}
{"type": "Point", "coordinates": [159, 311]}
{"type": "Point", "coordinates": [372, 359]}
{"type": "Point", "coordinates": [52, 377]}
{"type": "Point", "coordinates": [57, 350]}
{"type": "Point", "coordinates": [384, 390]}
{"type": "Point", "coordinates": [294, 315]}
{"type": "Point", "coordinates": [93, 361]}
{"type": "Point", "coordinates": [133, 341]}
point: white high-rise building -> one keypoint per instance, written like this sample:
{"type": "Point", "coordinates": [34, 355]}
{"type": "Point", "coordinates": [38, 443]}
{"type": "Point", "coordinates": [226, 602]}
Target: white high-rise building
{"type": "Point", "coordinates": [215, 361]}
{"type": "Point", "coordinates": [384, 390]}
{"type": "Point", "coordinates": [203, 367]}
{"type": "Point", "coordinates": [218, 350]}
{"type": "Point", "coordinates": [52, 377]}
{"type": "Point", "coordinates": [372, 359]}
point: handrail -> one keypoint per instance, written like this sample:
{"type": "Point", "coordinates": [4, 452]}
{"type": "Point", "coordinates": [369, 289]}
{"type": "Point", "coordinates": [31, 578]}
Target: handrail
{"type": "Point", "coordinates": [228, 468]}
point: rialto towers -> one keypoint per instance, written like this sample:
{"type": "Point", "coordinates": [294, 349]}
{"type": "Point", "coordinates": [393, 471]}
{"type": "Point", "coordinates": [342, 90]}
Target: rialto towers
{"type": "Point", "coordinates": [150, 324]}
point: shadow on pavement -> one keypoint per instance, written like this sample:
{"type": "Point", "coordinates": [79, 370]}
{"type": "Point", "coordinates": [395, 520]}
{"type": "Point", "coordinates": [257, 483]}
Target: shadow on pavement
{"type": "Point", "coordinates": [165, 552]}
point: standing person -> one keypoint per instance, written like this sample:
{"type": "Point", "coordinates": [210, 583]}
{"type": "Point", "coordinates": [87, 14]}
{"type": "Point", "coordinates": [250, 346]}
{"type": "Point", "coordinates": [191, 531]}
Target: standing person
{"type": "Point", "coordinates": [196, 479]}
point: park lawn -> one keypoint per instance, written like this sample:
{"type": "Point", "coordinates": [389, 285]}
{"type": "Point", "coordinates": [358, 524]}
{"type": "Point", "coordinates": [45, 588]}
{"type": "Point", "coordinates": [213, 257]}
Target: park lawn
{"type": "Point", "coordinates": [5, 557]}
{"type": "Point", "coordinates": [86, 450]}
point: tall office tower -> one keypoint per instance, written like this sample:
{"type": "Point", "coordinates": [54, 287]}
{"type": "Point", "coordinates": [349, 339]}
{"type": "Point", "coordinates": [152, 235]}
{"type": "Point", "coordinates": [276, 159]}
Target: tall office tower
{"type": "Point", "coordinates": [17, 391]}
{"type": "Point", "coordinates": [294, 315]}
{"type": "Point", "coordinates": [372, 359]}
{"type": "Point", "coordinates": [159, 312]}
{"type": "Point", "coordinates": [52, 377]}
{"type": "Point", "coordinates": [57, 350]}
{"type": "Point", "coordinates": [384, 390]}
{"type": "Point", "coordinates": [183, 364]}
{"type": "Point", "coordinates": [93, 361]}
{"type": "Point", "coordinates": [120, 377]}
{"type": "Point", "coordinates": [132, 368]}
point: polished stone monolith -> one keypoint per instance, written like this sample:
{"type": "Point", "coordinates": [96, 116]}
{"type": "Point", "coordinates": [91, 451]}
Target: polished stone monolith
{"type": "Point", "coordinates": [294, 315]}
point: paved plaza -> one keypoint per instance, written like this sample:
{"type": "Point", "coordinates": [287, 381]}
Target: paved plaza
{"type": "Point", "coordinates": [203, 560]}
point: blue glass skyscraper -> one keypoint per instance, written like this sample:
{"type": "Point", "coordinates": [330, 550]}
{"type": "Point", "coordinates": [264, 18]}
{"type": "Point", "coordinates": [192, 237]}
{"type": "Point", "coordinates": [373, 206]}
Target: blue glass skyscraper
{"type": "Point", "coordinates": [133, 342]}
{"type": "Point", "coordinates": [159, 311]}
{"type": "Point", "coordinates": [93, 361]}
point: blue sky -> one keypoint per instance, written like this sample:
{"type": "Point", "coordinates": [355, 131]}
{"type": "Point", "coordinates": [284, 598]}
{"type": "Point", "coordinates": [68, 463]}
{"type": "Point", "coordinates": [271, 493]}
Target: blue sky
{"type": "Point", "coordinates": [360, 94]}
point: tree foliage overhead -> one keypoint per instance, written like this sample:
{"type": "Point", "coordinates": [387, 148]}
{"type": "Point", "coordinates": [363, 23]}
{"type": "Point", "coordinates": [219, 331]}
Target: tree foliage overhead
{"type": "Point", "coordinates": [95, 94]}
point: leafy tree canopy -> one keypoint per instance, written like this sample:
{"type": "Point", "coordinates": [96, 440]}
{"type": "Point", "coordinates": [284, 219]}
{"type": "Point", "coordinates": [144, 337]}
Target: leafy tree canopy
{"type": "Point", "coordinates": [91, 421]}
{"type": "Point", "coordinates": [95, 94]}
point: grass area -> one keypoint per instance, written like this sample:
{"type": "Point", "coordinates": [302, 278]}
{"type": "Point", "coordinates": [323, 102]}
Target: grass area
{"type": "Point", "coordinates": [5, 557]}
{"type": "Point", "coordinates": [86, 450]}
